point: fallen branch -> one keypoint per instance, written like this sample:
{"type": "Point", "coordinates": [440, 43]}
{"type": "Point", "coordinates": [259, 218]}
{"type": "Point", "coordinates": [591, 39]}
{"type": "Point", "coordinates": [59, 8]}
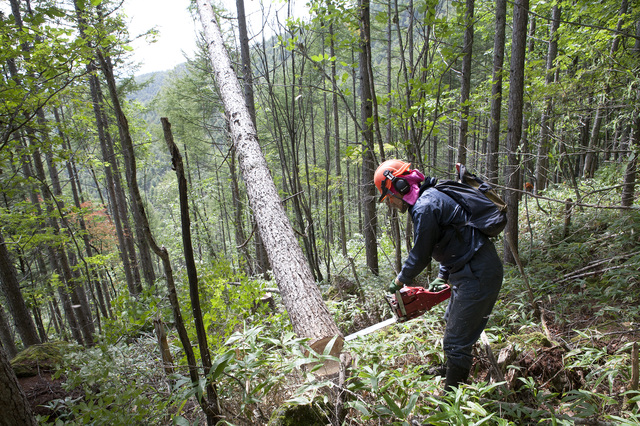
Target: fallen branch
{"type": "Point", "coordinates": [496, 372]}
{"type": "Point", "coordinates": [634, 367]}
{"type": "Point", "coordinates": [577, 273]}
{"type": "Point", "coordinates": [535, 306]}
{"type": "Point", "coordinates": [589, 274]}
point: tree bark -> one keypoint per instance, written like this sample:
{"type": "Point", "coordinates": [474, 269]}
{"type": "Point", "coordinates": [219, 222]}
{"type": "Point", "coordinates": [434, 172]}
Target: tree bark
{"type": "Point", "coordinates": [337, 147]}
{"type": "Point", "coordinates": [301, 297]}
{"type": "Point", "coordinates": [493, 143]}
{"type": "Point", "coordinates": [369, 196]}
{"type": "Point", "coordinates": [112, 173]}
{"type": "Point", "coordinates": [514, 130]}
{"type": "Point", "coordinates": [6, 336]}
{"type": "Point", "coordinates": [542, 163]}
{"type": "Point", "coordinates": [213, 416]}
{"type": "Point", "coordinates": [15, 406]}
{"type": "Point", "coordinates": [629, 188]}
{"type": "Point", "coordinates": [130, 164]}
{"type": "Point", "coordinates": [247, 74]}
{"type": "Point", "coordinates": [16, 304]}
{"type": "Point", "coordinates": [465, 83]}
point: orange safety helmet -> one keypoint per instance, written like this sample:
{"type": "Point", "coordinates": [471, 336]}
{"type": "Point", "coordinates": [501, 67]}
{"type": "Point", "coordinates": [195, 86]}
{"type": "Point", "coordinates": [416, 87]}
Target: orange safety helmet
{"type": "Point", "coordinates": [385, 175]}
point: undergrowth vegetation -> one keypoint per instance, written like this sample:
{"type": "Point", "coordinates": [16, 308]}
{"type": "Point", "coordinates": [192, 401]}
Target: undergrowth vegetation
{"type": "Point", "coordinates": [569, 364]}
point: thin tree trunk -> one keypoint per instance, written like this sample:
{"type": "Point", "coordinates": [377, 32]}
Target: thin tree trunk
{"type": "Point", "coordinates": [125, 141]}
{"type": "Point", "coordinates": [6, 336]}
{"type": "Point", "coordinates": [394, 222]}
{"type": "Point", "coordinates": [213, 415]}
{"type": "Point", "coordinates": [542, 163]}
{"type": "Point", "coordinates": [241, 243]}
{"type": "Point", "coordinates": [247, 74]}
{"type": "Point", "coordinates": [591, 158]}
{"type": "Point", "coordinates": [76, 192]}
{"type": "Point", "coordinates": [630, 175]}
{"type": "Point", "coordinates": [493, 144]}
{"type": "Point", "coordinates": [112, 174]}
{"type": "Point", "coordinates": [369, 196]}
{"type": "Point", "coordinates": [514, 133]}
{"type": "Point", "coordinates": [337, 147]}
{"type": "Point", "coordinates": [84, 314]}
{"type": "Point", "coordinates": [465, 83]}
{"type": "Point", "coordinates": [16, 304]}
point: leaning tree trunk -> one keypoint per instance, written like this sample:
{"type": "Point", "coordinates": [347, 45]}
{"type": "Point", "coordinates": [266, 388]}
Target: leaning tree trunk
{"type": "Point", "coordinates": [14, 403]}
{"type": "Point", "coordinates": [125, 140]}
{"type": "Point", "coordinates": [309, 315]}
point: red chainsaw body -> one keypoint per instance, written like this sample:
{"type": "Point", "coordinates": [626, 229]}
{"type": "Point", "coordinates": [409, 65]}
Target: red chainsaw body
{"type": "Point", "coordinates": [416, 301]}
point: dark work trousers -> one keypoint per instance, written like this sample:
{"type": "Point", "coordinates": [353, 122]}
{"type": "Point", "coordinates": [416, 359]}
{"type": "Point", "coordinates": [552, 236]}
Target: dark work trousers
{"type": "Point", "coordinates": [474, 291]}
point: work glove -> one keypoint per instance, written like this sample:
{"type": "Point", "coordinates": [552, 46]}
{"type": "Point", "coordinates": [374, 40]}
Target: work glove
{"type": "Point", "coordinates": [395, 286]}
{"type": "Point", "coordinates": [437, 285]}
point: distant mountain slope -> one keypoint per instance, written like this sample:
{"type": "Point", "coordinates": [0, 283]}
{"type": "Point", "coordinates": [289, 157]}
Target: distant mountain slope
{"type": "Point", "coordinates": [151, 84]}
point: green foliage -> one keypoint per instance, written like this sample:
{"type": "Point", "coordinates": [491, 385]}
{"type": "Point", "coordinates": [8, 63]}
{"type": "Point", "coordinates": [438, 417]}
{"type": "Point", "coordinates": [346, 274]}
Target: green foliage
{"type": "Point", "coordinates": [261, 362]}
{"type": "Point", "coordinates": [120, 383]}
{"type": "Point", "coordinates": [228, 300]}
{"type": "Point", "coordinates": [133, 316]}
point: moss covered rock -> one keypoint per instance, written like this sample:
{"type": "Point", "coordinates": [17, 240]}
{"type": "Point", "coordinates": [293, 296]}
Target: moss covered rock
{"type": "Point", "coordinates": [45, 357]}
{"type": "Point", "coordinates": [296, 415]}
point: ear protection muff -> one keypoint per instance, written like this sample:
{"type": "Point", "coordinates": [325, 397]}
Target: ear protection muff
{"type": "Point", "coordinates": [399, 184]}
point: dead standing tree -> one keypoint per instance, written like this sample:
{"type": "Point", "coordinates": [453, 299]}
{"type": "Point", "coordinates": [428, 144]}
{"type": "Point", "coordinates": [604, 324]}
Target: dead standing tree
{"type": "Point", "coordinates": [300, 295]}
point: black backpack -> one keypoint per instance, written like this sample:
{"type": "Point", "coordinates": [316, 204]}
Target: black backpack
{"type": "Point", "coordinates": [488, 212]}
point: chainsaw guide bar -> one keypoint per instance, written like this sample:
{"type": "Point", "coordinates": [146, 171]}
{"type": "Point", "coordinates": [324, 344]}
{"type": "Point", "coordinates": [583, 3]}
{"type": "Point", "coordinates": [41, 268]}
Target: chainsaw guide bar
{"type": "Point", "coordinates": [406, 304]}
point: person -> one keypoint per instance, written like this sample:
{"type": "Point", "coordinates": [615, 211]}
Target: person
{"type": "Point", "coordinates": [469, 262]}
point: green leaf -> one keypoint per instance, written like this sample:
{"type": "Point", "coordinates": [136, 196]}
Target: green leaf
{"type": "Point", "coordinates": [300, 400]}
{"type": "Point", "coordinates": [180, 421]}
{"type": "Point", "coordinates": [476, 408]}
{"type": "Point", "coordinates": [411, 404]}
{"type": "Point", "coordinates": [220, 364]}
{"type": "Point", "coordinates": [394, 407]}
{"type": "Point", "coordinates": [358, 405]}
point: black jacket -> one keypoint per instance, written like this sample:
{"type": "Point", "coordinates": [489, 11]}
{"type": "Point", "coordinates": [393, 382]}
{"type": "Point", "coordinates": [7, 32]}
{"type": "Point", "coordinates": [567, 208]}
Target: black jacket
{"type": "Point", "coordinates": [439, 233]}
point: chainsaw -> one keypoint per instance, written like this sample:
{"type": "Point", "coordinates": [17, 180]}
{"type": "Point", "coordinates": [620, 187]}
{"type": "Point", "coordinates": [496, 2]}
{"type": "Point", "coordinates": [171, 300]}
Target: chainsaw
{"type": "Point", "coordinates": [406, 304]}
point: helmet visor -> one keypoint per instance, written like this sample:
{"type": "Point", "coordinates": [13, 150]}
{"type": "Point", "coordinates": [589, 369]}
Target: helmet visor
{"type": "Point", "coordinates": [385, 192]}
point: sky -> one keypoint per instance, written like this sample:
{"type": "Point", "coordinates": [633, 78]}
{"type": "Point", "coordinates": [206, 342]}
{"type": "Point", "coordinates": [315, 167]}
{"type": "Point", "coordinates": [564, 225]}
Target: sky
{"type": "Point", "coordinates": [177, 33]}
{"type": "Point", "coordinates": [177, 29]}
